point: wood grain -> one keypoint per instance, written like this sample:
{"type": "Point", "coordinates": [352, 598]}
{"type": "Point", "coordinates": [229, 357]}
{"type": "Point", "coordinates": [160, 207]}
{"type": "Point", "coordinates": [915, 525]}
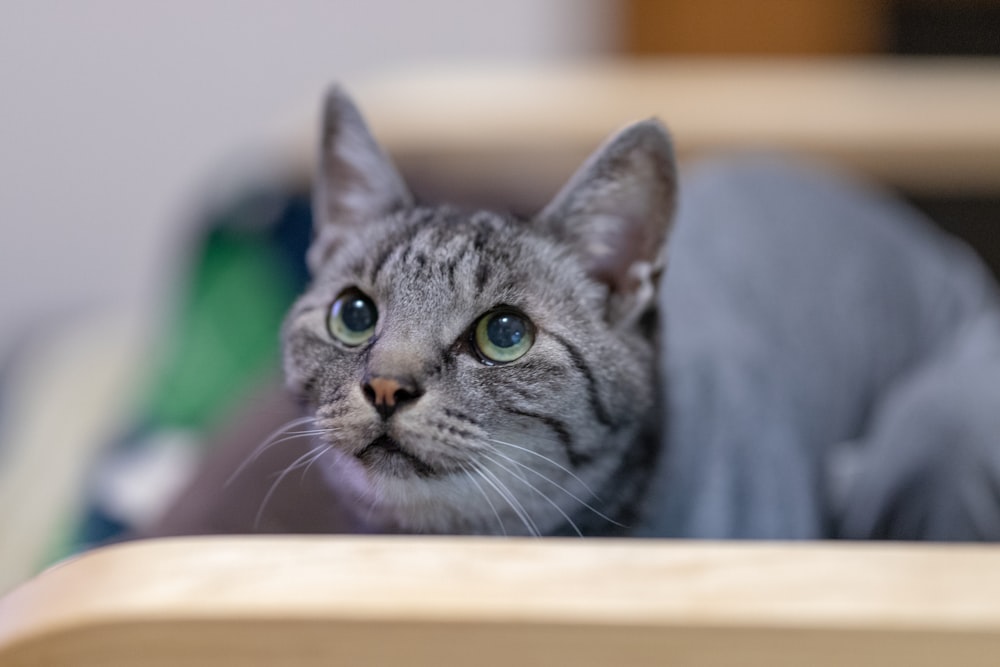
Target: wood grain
{"type": "Point", "coordinates": [423, 601]}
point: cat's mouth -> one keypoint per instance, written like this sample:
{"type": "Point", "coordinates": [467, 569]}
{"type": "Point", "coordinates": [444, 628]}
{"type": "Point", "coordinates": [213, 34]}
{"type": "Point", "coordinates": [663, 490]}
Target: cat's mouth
{"type": "Point", "coordinates": [386, 455]}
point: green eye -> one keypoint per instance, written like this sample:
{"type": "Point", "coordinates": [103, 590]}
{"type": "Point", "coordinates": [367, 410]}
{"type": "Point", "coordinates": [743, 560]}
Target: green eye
{"type": "Point", "coordinates": [352, 318]}
{"type": "Point", "coordinates": [503, 336]}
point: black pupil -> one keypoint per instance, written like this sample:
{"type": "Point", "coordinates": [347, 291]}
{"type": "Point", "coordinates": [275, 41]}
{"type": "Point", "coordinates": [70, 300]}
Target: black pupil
{"type": "Point", "coordinates": [505, 330]}
{"type": "Point", "coordinates": [358, 314]}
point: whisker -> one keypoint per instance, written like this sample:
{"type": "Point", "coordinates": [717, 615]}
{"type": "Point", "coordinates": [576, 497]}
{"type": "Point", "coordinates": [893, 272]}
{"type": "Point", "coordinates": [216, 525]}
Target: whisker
{"type": "Point", "coordinates": [274, 443]}
{"type": "Point", "coordinates": [284, 473]}
{"type": "Point", "coordinates": [534, 488]}
{"type": "Point", "coordinates": [508, 495]}
{"type": "Point", "coordinates": [313, 460]}
{"type": "Point", "coordinates": [552, 461]}
{"type": "Point", "coordinates": [560, 487]}
{"type": "Point", "coordinates": [486, 497]}
{"type": "Point", "coordinates": [300, 421]}
{"type": "Point", "coordinates": [269, 442]}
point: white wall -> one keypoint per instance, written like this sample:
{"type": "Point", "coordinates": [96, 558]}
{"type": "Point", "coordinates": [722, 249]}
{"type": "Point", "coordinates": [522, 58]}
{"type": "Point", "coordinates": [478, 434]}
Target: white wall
{"type": "Point", "coordinates": [112, 112]}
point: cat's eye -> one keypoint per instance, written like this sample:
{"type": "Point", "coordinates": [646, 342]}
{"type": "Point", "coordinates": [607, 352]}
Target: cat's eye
{"type": "Point", "coordinates": [352, 318]}
{"type": "Point", "coordinates": [503, 336]}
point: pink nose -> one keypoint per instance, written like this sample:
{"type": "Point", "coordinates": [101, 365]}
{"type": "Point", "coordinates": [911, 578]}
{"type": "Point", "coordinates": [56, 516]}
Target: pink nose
{"type": "Point", "coordinates": [388, 393]}
{"type": "Point", "coordinates": [384, 390]}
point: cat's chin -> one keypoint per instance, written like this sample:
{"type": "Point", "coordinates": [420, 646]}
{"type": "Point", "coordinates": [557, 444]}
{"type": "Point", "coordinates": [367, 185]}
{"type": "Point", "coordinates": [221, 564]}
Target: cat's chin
{"type": "Point", "coordinates": [384, 494]}
{"type": "Point", "coordinates": [387, 488]}
{"type": "Point", "coordinates": [385, 456]}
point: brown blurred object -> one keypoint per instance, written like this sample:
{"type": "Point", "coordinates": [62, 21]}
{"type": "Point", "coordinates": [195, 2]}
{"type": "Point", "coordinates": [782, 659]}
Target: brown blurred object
{"type": "Point", "coordinates": [810, 27]}
{"type": "Point", "coordinates": [754, 27]}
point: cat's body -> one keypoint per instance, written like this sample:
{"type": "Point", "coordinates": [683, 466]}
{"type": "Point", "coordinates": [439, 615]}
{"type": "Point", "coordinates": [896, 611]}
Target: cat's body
{"type": "Point", "coordinates": [816, 361]}
{"type": "Point", "coordinates": [811, 323]}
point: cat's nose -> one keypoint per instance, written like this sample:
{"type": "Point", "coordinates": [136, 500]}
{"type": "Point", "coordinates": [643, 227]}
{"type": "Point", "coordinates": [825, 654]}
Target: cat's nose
{"type": "Point", "coordinates": [389, 393]}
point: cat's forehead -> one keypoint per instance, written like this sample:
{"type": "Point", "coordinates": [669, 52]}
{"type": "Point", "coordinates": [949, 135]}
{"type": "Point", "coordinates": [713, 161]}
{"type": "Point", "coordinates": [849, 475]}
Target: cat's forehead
{"type": "Point", "coordinates": [426, 257]}
{"type": "Point", "coordinates": [438, 245]}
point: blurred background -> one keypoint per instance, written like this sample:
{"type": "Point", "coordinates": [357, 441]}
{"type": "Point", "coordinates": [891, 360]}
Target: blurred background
{"type": "Point", "coordinates": [124, 125]}
{"type": "Point", "coordinates": [113, 113]}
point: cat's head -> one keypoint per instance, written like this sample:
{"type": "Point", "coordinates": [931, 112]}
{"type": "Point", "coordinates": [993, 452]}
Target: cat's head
{"type": "Point", "coordinates": [473, 372]}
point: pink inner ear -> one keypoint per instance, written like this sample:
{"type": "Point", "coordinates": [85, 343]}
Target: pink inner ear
{"type": "Point", "coordinates": [616, 209]}
{"type": "Point", "coordinates": [612, 257]}
{"type": "Point", "coordinates": [626, 221]}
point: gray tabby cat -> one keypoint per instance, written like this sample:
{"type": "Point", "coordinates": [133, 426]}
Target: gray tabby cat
{"type": "Point", "coordinates": [477, 373]}
{"type": "Point", "coordinates": [830, 365]}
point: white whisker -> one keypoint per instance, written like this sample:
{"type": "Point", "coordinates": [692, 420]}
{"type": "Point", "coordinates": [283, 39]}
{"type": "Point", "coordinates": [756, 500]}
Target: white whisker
{"type": "Point", "coordinates": [491, 478]}
{"type": "Point", "coordinates": [560, 487]}
{"type": "Point", "coordinates": [274, 438]}
{"type": "Point", "coordinates": [486, 497]}
{"type": "Point", "coordinates": [313, 460]}
{"type": "Point", "coordinates": [552, 461]}
{"type": "Point", "coordinates": [252, 459]}
{"type": "Point", "coordinates": [534, 488]}
{"type": "Point", "coordinates": [322, 449]}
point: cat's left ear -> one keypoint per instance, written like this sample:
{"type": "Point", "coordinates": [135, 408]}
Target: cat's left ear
{"type": "Point", "coordinates": [616, 212]}
{"type": "Point", "coordinates": [356, 181]}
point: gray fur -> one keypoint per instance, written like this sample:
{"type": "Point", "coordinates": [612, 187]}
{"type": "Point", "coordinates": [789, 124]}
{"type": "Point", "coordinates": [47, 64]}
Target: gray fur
{"type": "Point", "coordinates": [559, 441]}
{"type": "Point", "coordinates": [826, 349]}
{"type": "Point", "coordinates": [362, 183]}
{"type": "Point", "coordinates": [830, 364]}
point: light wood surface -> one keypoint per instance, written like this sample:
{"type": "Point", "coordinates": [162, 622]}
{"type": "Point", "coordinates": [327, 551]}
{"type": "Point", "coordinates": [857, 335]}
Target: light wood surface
{"type": "Point", "coordinates": [363, 601]}
{"type": "Point", "coordinates": [930, 125]}
{"type": "Point", "coordinates": [64, 405]}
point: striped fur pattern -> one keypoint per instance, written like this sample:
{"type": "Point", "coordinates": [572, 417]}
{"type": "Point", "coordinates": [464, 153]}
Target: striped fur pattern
{"type": "Point", "coordinates": [559, 441]}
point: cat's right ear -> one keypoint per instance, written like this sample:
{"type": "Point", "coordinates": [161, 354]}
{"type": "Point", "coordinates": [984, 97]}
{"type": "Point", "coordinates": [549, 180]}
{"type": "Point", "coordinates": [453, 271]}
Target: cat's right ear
{"type": "Point", "coordinates": [616, 212]}
{"type": "Point", "coordinates": [356, 181]}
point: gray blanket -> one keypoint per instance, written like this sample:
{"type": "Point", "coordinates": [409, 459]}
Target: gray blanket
{"type": "Point", "coordinates": [832, 364]}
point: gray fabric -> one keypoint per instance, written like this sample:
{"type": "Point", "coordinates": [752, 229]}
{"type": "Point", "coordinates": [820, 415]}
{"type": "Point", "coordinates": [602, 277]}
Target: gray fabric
{"type": "Point", "coordinates": [829, 354]}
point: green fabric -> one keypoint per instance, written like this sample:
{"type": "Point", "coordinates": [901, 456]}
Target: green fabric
{"type": "Point", "coordinates": [226, 333]}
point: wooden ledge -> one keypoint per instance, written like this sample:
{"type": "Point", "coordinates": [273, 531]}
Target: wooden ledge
{"type": "Point", "coordinates": [928, 125]}
{"type": "Point", "coordinates": [424, 601]}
